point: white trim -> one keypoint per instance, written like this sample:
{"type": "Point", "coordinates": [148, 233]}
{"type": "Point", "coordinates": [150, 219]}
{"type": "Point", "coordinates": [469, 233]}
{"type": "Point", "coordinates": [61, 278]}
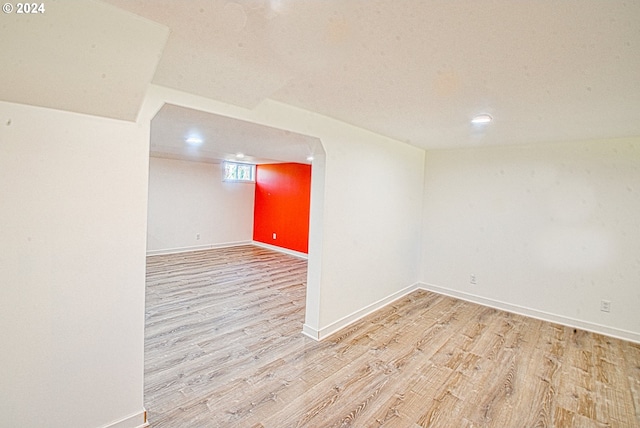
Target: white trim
{"type": "Point", "coordinates": [196, 248]}
{"type": "Point", "coordinates": [310, 332]}
{"type": "Point", "coordinates": [357, 315]}
{"type": "Point", "coordinates": [334, 327]}
{"type": "Point", "coordinates": [534, 313]}
{"type": "Point", "coordinates": [137, 420]}
{"type": "Point", "coordinates": [281, 249]}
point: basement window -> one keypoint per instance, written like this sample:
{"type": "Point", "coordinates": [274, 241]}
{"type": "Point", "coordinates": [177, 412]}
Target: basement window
{"type": "Point", "coordinates": [242, 172]}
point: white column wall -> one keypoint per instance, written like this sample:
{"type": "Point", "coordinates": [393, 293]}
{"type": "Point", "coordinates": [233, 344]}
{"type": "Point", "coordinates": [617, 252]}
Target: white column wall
{"type": "Point", "coordinates": [372, 229]}
{"type": "Point", "coordinates": [72, 233]}
{"type": "Point", "coordinates": [548, 230]}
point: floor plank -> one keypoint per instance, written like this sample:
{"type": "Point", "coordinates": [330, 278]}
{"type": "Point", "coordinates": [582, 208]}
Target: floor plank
{"type": "Point", "coordinates": [223, 347]}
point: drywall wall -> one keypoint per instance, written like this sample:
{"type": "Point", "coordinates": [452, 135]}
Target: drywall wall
{"type": "Point", "coordinates": [282, 203]}
{"type": "Point", "coordinates": [190, 207]}
{"type": "Point", "coordinates": [74, 209]}
{"type": "Point", "coordinates": [366, 203]}
{"type": "Point", "coordinates": [373, 201]}
{"type": "Point", "coordinates": [72, 264]}
{"type": "Point", "coordinates": [547, 230]}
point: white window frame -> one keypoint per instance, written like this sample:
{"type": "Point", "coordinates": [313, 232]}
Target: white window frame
{"type": "Point", "coordinates": [235, 179]}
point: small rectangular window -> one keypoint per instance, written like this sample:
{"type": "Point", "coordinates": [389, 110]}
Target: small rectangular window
{"type": "Point", "coordinates": [233, 171]}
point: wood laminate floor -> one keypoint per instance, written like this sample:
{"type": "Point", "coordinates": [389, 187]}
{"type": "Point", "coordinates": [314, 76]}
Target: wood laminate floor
{"type": "Point", "coordinates": [224, 349]}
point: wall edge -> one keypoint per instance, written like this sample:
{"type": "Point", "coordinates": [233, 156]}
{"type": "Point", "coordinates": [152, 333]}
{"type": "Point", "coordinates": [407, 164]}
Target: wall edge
{"type": "Point", "coordinates": [137, 420]}
{"type": "Point", "coordinates": [280, 249]}
{"type": "Point", "coordinates": [534, 313]}
{"type": "Point", "coordinates": [196, 248]}
{"type": "Point", "coordinates": [338, 325]}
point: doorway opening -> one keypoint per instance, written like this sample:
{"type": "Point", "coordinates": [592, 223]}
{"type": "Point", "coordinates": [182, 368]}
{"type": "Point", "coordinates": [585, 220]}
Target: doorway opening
{"type": "Point", "coordinates": [191, 208]}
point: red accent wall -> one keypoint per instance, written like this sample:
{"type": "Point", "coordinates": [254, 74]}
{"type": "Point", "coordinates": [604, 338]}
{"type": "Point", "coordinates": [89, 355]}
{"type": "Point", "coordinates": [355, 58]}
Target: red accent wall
{"type": "Point", "coordinates": [283, 194]}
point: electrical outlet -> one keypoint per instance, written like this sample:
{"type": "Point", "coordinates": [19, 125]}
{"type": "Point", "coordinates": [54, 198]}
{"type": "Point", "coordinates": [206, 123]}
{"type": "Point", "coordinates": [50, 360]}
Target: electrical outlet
{"type": "Point", "coordinates": [605, 306]}
{"type": "Point", "coordinates": [197, 236]}
{"type": "Point", "coordinates": [473, 280]}
{"type": "Point", "coordinates": [274, 235]}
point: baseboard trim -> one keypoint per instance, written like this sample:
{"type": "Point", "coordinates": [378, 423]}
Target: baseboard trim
{"type": "Point", "coordinates": [196, 248]}
{"type": "Point", "coordinates": [338, 325]}
{"type": "Point", "coordinates": [281, 250]}
{"type": "Point", "coordinates": [323, 333]}
{"type": "Point", "coordinates": [534, 313]}
{"type": "Point", "coordinates": [137, 420]}
{"type": "Point", "coordinates": [311, 332]}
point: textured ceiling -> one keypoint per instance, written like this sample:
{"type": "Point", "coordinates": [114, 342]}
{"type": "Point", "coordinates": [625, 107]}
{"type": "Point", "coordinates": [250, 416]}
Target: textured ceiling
{"type": "Point", "coordinates": [222, 138]}
{"type": "Point", "coordinates": [80, 56]}
{"type": "Point", "coordinates": [414, 70]}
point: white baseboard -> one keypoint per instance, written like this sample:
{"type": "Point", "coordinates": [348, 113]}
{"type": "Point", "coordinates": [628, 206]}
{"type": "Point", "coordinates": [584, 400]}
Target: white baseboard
{"type": "Point", "coordinates": [280, 249]}
{"type": "Point", "coordinates": [355, 316]}
{"type": "Point", "coordinates": [534, 313]}
{"type": "Point", "coordinates": [196, 248]}
{"type": "Point", "coordinates": [334, 327]}
{"type": "Point", "coordinates": [137, 420]}
{"type": "Point", "coordinates": [310, 332]}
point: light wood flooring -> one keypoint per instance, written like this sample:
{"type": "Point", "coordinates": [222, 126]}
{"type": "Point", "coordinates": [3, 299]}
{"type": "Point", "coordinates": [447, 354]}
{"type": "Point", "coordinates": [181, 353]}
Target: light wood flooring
{"type": "Point", "coordinates": [224, 348]}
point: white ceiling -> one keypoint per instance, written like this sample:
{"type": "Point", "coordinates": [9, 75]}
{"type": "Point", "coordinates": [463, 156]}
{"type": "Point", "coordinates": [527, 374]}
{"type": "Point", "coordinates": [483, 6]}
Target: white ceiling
{"type": "Point", "coordinates": [80, 56]}
{"type": "Point", "coordinates": [414, 70]}
{"type": "Point", "coordinates": [223, 138]}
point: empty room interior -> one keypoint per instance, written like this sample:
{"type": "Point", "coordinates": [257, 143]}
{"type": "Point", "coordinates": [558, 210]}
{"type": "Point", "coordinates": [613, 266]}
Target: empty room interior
{"type": "Point", "coordinates": [272, 213]}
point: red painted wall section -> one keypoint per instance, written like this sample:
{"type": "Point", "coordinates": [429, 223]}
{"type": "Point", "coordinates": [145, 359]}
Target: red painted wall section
{"type": "Point", "coordinates": [283, 195]}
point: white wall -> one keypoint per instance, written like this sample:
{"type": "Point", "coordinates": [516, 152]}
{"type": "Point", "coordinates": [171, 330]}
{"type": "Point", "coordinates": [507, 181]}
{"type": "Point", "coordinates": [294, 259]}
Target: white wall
{"type": "Point", "coordinates": [366, 202]}
{"type": "Point", "coordinates": [189, 198]}
{"type": "Point", "coordinates": [72, 233]}
{"type": "Point", "coordinates": [73, 215]}
{"type": "Point", "coordinates": [373, 203]}
{"type": "Point", "coordinates": [548, 230]}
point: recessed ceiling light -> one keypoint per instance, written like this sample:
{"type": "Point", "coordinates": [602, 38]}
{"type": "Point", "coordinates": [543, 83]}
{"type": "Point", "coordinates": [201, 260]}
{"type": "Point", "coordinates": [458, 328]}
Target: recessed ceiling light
{"type": "Point", "coordinates": [193, 140]}
{"type": "Point", "coordinates": [482, 118]}
{"type": "Point", "coordinates": [239, 155]}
